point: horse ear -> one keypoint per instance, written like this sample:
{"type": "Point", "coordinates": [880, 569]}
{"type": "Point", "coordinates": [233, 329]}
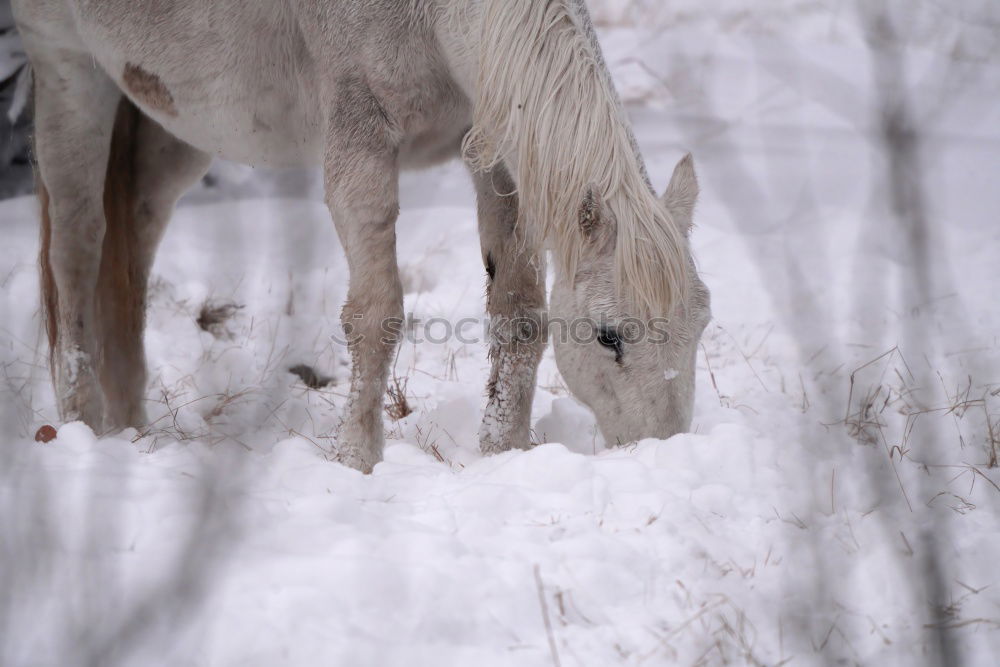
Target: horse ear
{"type": "Point", "coordinates": [682, 193]}
{"type": "Point", "coordinates": [598, 228]}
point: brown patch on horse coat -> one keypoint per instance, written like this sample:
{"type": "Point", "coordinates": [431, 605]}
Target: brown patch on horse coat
{"type": "Point", "coordinates": [148, 89]}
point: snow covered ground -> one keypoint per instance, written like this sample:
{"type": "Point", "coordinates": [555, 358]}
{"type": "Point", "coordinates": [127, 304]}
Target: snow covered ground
{"type": "Point", "coordinates": [834, 504]}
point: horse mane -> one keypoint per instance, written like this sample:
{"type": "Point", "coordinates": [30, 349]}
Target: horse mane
{"type": "Point", "coordinates": [545, 104]}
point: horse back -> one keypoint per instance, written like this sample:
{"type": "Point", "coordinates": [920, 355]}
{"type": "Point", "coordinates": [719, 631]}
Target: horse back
{"type": "Point", "coordinates": [256, 81]}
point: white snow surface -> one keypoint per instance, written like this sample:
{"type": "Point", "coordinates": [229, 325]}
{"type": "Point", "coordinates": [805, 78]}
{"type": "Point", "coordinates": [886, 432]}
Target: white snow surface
{"type": "Point", "coordinates": [799, 523]}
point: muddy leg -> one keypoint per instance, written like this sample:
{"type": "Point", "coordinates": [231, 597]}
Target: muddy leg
{"type": "Point", "coordinates": [363, 195]}
{"type": "Point", "coordinates": [160, 169]}
{"type": "Point", "coordinates": [516, 306]}
{"type": "Point", "coordinates": [75, 105]}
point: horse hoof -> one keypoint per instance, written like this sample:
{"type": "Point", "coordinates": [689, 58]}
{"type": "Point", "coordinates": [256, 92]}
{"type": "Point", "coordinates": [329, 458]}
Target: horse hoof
{"type": "Point", "coordinates": [355, 458]}
{"type": "Point", "coordinates": [490, 444]}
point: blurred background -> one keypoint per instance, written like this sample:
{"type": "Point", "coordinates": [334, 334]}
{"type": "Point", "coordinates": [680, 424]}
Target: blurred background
{"type": "Point", "coordinates": [14, 122]}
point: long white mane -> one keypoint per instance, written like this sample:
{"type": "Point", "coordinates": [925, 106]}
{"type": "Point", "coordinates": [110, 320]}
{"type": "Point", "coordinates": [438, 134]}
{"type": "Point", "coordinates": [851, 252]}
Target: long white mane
{"type": "Point", "coordinates": [546, 104]}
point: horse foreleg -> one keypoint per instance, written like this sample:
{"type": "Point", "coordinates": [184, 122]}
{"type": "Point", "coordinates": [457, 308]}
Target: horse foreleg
{"type": "Point", "coordinates": [75, 106]}
{"type": "Point", "coordinates": [362, 192]}
{"type": "Point", "coordinates": [161, 168]}
{"type": "Point", "coordinates": [516, 306]}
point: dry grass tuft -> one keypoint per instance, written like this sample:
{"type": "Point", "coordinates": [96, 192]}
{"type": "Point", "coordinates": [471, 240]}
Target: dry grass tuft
{"type": "Point", "coordinates": [398, 407]}
{"type": "Point", "coordinates": [215, 315]}
{"type": "Point", "coordinates": [430, 446]}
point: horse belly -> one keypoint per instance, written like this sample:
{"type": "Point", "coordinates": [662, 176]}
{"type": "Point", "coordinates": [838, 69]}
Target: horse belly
{"type": "Point", "coordinates": [265, 127]}
{"type": "Point", "coordinates": [232, 115]}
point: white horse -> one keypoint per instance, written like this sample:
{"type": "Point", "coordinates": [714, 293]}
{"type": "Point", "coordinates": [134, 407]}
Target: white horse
{"type": "Point", "coordinates": [134, 97]}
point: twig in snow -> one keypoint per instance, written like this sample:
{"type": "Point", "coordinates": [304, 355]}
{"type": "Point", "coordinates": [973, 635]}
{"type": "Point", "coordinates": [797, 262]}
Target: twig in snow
{"type": "Point", "coordinates": [545, 617]}
{"type": "Point", "coordinates": [711, 374]}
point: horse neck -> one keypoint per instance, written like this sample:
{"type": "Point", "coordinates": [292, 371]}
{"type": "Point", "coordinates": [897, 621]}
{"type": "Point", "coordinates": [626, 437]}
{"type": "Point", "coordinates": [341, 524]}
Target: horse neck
{"type": "Point", "coordinates": [545, 105]}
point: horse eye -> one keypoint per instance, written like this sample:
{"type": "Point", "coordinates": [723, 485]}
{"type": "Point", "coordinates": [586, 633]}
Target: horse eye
{"type": "Point", "coordinates": [609, 339]}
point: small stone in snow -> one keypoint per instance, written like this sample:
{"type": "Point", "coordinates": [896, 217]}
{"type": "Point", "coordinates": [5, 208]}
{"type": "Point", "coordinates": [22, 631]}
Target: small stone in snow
{"type": "Point", "coordinates": [45, 434]}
